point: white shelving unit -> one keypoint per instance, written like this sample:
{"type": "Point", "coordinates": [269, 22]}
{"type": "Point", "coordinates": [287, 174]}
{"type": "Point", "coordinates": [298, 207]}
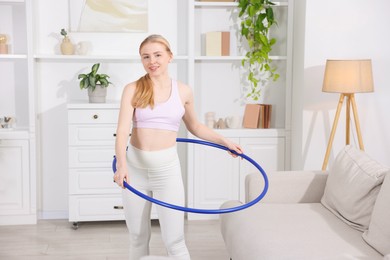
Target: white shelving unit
{"type": "Point", "coordinates": [213, 177]}
{"type": "Point", "coordinates": [17, 145]}
{"type": "Point", "coordinates": [123, 66]}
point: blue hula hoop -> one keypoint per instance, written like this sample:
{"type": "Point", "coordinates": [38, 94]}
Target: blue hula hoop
{"type": "Point", "coordinates": [203, 211]}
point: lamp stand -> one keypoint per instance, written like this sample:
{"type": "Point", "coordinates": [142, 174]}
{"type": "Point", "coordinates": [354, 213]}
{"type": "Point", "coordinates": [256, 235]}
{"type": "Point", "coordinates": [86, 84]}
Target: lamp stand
{"type": "Point", "coordinates": [350, 101]}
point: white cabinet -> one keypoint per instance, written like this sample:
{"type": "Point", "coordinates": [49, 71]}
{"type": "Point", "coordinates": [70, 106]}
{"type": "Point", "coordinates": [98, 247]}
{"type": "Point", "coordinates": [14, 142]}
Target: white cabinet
{"type": "Point", "coordinates": [17, 144]}
{"type": "Point", "coordinates": [17, 188]}
{"type": "Point", "coordinates": [215, 176]}
{"type": "Point", "coordinates": [93, 196]}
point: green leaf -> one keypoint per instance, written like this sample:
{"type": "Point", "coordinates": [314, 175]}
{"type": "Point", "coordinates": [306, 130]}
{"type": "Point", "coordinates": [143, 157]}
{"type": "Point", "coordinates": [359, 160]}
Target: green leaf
{"type": "Point", "coordinates": [104, 76]}
{"type": "Point", "coordinates": [86, 83]}
{"type": "Point", "coordinates": [263, 39]}
{"type": "Point", "coordinates": [270, 15]}
{"type": "Point", "coordinates": [251, 11]}
{"type": "Point", "coordinates": [92, 81]}
{"type": "Point", "coordinates": [95, 68]}
{"type": "Point", "coordinates": [272, 41]}
{"type": "Point", "coordinates": [82, 83]}
{"type": "Point", "coordinates": [104, 82]}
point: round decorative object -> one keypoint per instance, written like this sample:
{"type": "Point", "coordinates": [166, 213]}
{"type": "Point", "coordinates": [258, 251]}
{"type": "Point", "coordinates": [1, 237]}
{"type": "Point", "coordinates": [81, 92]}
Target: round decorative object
{"type": "Point", "coordinates": [204, 211]}
{"type": "Point", "coordinates": [67, 47]}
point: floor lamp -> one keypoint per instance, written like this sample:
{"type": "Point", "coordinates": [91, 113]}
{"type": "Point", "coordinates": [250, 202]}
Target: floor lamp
{"type": "Point", "coordinates": [347, 77]}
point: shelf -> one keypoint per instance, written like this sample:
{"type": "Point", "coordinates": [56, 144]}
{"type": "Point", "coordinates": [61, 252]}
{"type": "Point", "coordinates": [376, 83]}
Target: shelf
{"type": "Point", "coordinates": [123, 58]}
{"type": "Point", "coordinates": [246, 132]}
{"type": "Point", "coordinates": [229, 4]}
{"type": "Point", "coordinates": [12, 56]}
{"type": "Point", "coordinates": [12, 134]}
{"type": "Point", "coordinates": [216, 4]}
{"type": "Point", "coordinates": [232, 58]}
{"type": "Point", "coordinates": [11, 1]}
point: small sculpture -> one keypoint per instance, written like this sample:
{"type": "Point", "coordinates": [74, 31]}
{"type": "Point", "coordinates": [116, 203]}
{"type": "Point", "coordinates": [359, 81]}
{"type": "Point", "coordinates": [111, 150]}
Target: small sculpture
{"type": "Point", "coordinates": [220, 124]}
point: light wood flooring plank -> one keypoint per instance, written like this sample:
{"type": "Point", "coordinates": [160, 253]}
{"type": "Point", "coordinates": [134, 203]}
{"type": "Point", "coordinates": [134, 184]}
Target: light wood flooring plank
{"type": "Point", "coordinates": [55, 239]}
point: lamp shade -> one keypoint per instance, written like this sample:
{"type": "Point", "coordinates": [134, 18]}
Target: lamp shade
{"type": "Point", "coordinates": [348, 76]}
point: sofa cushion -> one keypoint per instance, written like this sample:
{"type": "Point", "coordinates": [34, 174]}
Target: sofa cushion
{"type": "Point", "coordinates": [378, 233]}
{"type": "Point", "coordinates": [352, 187]}
{"type": "Point", "coordinates": [291, 231]}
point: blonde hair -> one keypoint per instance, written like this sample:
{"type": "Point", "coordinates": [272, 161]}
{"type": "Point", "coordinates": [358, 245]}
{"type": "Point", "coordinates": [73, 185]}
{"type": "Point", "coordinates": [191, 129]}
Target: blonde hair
{"type": "Point", "coordinates": [144, 95]}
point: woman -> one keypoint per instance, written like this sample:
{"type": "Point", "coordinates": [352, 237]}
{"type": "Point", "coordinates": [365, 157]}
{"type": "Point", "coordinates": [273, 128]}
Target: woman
{"type": "Point", "coordinates": [154, 105]}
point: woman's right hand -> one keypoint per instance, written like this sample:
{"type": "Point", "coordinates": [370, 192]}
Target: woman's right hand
{"type": "Point", "coordinates": [121, 175]}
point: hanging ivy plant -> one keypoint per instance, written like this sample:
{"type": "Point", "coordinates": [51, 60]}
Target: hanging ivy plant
{"type": "Point", "coordinates": [257, 17]}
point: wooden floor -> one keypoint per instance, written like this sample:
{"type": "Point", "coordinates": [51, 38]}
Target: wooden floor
{"type": "Point", "coordinates": [55, 239]}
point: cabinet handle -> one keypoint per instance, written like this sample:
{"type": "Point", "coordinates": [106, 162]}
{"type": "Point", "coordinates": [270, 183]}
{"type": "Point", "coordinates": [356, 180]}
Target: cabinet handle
{"type": "Point", "coordinates": [118, 207]}
{"type": "Point", "coordinates": [114, 135]}
{"type": "Point", "coordinates": [95, 116]}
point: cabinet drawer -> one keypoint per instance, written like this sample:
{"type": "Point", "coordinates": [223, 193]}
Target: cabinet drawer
{"type": "Point", "coordinates": [94, 157]}
{"type": "Point", "coordinates": [92, 135]}
{"type": "Point", "coordinates": [99, 208]}
{"type": "Point", "coordinates": [92, 181]}
{"type": "Point", "coordinates": [95, 207]}
{"type": "Point", "coordinates": [93, 116]}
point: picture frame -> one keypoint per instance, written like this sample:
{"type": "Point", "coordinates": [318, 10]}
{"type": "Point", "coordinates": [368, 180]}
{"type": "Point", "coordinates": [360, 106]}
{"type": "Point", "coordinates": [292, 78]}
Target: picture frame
{"type": "Point", "coordinates": [108, 16]}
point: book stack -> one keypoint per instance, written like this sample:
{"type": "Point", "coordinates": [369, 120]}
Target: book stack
{"type": "Point", "coordinates": [217, 43]}
{"type": "Point", "coordinates": [257, 116]}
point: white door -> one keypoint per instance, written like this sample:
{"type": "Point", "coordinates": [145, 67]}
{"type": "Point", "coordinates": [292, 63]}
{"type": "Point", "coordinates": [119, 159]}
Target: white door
{"type": "Point", "coordinates": [267, 152]}
{"type": "Point", "coordinates": [14, 181]}
{"type": "Point", "coordinates": [216, 179]}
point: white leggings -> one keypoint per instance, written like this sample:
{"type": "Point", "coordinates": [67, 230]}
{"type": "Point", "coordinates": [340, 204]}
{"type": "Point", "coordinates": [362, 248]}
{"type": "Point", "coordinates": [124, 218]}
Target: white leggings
{"type": "Point", "coordinates": [157, 174]}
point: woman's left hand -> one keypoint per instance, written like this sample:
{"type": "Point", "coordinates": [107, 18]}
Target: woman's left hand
{"type": "Point", "coordinates": [234, 147]}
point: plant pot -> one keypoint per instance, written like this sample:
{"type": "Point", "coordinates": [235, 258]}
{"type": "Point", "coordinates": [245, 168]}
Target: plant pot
{"type": "Point", "coordinates": [67, 47]}
{"type": "Point", "coordinates": [98, 95]}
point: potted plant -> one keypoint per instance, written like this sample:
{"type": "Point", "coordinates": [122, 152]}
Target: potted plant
{"type": "Point", "coordinates": [96, 84]}
{"type": "Point", "coordinates": [67, 47]}
{"type": "Point", "coordinates": [257, 17]}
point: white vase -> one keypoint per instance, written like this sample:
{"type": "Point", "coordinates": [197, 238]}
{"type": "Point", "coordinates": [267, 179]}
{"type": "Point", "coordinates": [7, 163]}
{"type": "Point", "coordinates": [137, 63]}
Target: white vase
{"type": "Point", "coordinates": [98, 95]}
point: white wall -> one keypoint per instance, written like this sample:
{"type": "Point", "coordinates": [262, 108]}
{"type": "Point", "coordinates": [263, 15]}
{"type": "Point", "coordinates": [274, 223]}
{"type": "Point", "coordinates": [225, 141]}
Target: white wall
{"type": "Point", "coordinates": [332, 29]}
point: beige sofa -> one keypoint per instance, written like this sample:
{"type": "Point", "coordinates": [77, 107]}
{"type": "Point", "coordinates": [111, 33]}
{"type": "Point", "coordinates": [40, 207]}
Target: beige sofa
{"type": "Point", "coordinates": [340, 214]}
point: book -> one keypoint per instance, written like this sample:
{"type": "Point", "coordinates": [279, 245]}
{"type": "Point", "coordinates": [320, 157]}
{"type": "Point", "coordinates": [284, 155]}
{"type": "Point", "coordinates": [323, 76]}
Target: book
{"type": "Point", "coordinates": [251, 116]}
{"type": "Point", "coordinates": [257, 116]}
{"type": "Point", "coordinates": [265, 116]}
{"type": "Point", "coordinates": [217, 43]}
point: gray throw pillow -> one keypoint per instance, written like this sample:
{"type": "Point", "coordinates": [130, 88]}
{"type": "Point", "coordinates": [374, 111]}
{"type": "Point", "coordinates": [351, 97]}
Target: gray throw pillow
{"type": "Point", "coordinates": [352, 187]}
{"type": "Point", "coordinates": [378, 233]}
